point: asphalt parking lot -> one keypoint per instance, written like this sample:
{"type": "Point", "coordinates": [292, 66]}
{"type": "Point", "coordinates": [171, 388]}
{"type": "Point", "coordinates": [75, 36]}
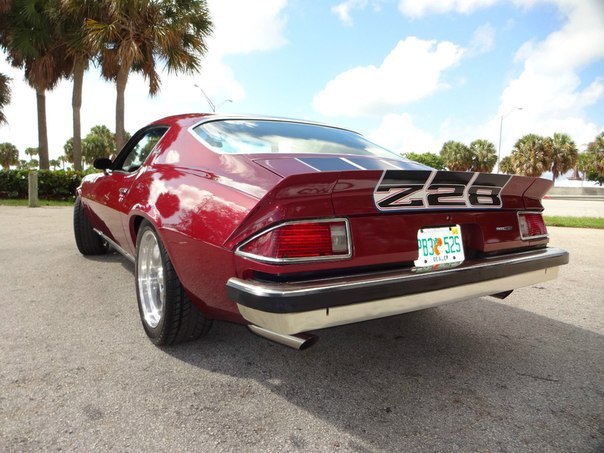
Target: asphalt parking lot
{"type": "Point", "coordinates": [78, 373]}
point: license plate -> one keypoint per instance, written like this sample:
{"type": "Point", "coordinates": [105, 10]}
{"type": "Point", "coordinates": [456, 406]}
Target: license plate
{"type": "Point", "coordinates": [439, 246]}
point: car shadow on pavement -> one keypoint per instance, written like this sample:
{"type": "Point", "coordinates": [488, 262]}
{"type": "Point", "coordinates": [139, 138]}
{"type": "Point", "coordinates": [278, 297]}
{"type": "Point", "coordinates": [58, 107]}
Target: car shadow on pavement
{"type": "Point", "coordinates": [478, 375]}
{"type": "Point", "coordinates": [112, 256]}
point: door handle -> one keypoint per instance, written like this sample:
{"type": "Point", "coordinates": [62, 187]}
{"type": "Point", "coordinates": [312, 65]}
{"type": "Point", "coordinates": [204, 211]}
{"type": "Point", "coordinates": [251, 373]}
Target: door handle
{"type": "Point", "coordinates": [123, 190]}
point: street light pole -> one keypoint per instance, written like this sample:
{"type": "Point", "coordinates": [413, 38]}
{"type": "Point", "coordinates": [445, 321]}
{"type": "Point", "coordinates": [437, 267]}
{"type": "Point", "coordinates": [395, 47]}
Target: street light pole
{"type": "Point", "coordinates": [209, 101]}
{"type": "Point", "coordinates": [500, 134]}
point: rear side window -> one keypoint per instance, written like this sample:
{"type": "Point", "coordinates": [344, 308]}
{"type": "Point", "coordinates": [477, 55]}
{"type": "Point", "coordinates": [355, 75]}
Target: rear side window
{"type": "Point", "coordinates": [241, 136]}
{"type": "Point", "coordinates": [136, 152]}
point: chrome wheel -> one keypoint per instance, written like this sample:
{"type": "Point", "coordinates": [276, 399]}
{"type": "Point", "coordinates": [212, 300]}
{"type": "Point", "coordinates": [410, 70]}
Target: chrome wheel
{"type": "Point", "coordinates": [151, 280]}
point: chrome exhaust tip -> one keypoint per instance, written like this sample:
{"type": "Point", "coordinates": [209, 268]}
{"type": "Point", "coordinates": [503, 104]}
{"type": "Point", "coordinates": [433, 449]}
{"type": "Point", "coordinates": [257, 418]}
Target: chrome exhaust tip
{"type": "Point", "coordinates": [299, 341]}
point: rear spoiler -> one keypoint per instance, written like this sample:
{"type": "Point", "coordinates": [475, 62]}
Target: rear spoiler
{"type": "Point", "coordinates": [372, 192]}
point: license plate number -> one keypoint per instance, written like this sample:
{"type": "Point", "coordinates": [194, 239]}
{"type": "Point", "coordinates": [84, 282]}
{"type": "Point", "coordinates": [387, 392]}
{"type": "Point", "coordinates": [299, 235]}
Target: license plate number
{"type": "Point", "coordinates": [438, 246]}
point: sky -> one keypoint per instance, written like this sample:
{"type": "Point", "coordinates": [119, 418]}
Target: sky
{"type": "Point", "coordinates": [408, 74]}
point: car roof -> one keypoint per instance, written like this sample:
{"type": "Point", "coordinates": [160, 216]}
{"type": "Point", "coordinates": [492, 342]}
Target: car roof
{"type": "Point", "coordinates": [194, 119]}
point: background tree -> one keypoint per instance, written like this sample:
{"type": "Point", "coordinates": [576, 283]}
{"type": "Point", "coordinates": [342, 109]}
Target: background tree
{"type": "Point", "coordinates": [586, 164]}
{"type": "Point", "coordinates": [9, 155]}
{"type": "Point", "coordinates": [429, 159]}
{"type": "Point", "coordinates": [135, 35]}
{"type": "Point", "coordinates": [456, 156]}
{"type": "Point", "coordinates": [32, 164]}
{"type": "Point", "coordinates": [4, 96]}
{"type": "Point", "coordinates": [597, 148]}
{"type": "Point", "coordinates": [100, 142]}
{"type": "Point", "coordinates": [54, 163]}
{"type": "Point", "coordinates": [591, 162]}
{"type": "Point", "coordinates": [32, 40]}
{"type": "Point", "coordinates": [507, 166]}
{"type": "Point", "coordinates": [31, 152]}
{"type": "Point", "coordinates": [564, 154]}
{"type": "Point", "coordinates": [81, 52]}
{"type": "Point", "coordinates": [484, 156]}
{"type": "Point", "coordinates": [63, 160]}
{"type": "Point", "coordinates": [532, 155]}
{"type": "Point", "coordinates": [5, 93]}
{"type": "Point", "coordinates": [68, 150]}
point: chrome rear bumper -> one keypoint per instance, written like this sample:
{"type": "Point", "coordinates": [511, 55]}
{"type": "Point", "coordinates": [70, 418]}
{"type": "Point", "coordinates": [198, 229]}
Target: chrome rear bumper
{"type": "Point", "coordinates": [290, 308]}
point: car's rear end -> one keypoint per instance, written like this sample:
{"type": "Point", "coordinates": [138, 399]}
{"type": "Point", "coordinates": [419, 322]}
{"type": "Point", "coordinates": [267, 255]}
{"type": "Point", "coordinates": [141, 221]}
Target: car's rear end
{"type": "Point", "coordinates": [329, 248]}
{"type": "Point", "coordinates": [347, 236]}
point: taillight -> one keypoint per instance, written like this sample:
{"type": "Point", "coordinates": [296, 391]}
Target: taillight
{"type": "Point", "coordinates": [311, 240]}
{"type": "Point", "coordinates": [531, 225]}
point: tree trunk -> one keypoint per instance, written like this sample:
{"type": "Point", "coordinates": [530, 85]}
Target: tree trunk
{"type": "Point", "coordinates": [120, 136]}
{"type": "Point", "coordinates": [42, 132]}
{"type": "Point", "coordinates": [76, 104]}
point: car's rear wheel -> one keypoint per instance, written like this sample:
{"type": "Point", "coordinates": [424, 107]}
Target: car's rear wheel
{"type": "Point", "coordinates": [88, 242]}
{"type": "Point", "coordinates": [167, 314]}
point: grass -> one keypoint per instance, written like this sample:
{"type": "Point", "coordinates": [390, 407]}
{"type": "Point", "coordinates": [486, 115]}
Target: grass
{"type": "Point", "coordinates": [20, 202]}
{"type": "Point", "coordinates": [575, 222]}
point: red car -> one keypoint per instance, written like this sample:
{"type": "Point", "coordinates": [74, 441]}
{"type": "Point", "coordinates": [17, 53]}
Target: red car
{"type": "Point", "coordinates": [290, 226]}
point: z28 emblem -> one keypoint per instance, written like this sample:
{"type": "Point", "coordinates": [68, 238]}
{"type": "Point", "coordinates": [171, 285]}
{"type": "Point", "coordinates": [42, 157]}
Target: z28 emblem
{"type": "Point", "coordinates": [419, 189]}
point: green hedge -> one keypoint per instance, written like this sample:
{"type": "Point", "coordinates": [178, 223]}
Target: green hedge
{"type": "Point", "coordinates": [52, 185]}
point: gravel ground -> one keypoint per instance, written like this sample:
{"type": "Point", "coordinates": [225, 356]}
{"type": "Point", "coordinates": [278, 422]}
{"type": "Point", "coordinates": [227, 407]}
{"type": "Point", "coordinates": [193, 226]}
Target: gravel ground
{"type": "Point", "coordinates": [78, 373]}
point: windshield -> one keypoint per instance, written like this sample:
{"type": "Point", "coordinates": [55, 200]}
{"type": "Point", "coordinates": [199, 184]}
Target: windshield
{"type": "Point", "coordinates": [242, 136]}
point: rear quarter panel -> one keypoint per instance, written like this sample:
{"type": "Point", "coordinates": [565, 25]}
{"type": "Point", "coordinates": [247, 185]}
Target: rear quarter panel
{"type": "Point", "coordinates": [196, 199]}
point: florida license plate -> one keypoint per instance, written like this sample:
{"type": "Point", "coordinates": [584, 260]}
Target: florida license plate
{"type": "Point", "coordinates": [439, 246]}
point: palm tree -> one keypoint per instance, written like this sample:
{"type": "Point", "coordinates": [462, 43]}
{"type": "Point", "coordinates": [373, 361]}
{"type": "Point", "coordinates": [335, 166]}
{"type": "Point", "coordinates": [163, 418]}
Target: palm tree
{"type": "Point", "coordinates": [4, 96]}
{"type": "Point", "coordinates": [54, 163]}
{"type": "Point", "coordinates": [484, 155]}
{"type": "Point", "coordinates": [596, 148]}
{"type": "Point", "coordinates": [29, 34]}
{"type": "Point", "coordinates": [135, 35]}
{"type": "Point", "coordinates": [63, 160]}
{"type": "Point", "coordinates": [9, 155]}
{"type": "Point", "coordinates": [456, 156]}
{"type": "Point", "coordinates": [564, 154]}
{"type": "Point", "coordinates": [100, 142]}
{"type": "Point", "coordinates": [80, 50]}
{"type": "Point", "coordinates": [507, 166]}
{"type": "Point", "coordinates": [68, 150]}
{"type": "Point", "coordinates": [532, 155]}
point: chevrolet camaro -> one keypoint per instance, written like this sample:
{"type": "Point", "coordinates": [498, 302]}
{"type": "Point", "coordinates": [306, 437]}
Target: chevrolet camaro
{"type": "Point", "coordinates": [291, 226]}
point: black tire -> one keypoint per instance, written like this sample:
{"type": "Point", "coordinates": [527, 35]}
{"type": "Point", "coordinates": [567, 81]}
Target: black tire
{"type": "Point", "coordinates": [88, 242]}
{"type": "Point", "coordinates": [179, 321]}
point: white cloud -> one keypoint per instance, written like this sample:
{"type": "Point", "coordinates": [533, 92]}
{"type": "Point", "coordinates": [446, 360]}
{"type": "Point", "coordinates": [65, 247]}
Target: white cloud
{"type": "Point", "coordinates": [411, 71]}
{"type": "Point", "coordinates": [241, 26]}
{"type": "Point", "coordinates": [344, 9]}
{"type": "Point", "coordinates": [399, 134]}
{"type": "Point", "coordinates": [255, 27]}
{"type": "Point", "coordinates": [416, 9]}
{"type": "Point", "coordinates": [483, 40]}
{"type": "Point", "coordinates": [549, 86]}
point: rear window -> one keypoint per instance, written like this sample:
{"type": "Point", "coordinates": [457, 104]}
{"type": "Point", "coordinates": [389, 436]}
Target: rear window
{"type": "Point", "coordinates": [240, 136]}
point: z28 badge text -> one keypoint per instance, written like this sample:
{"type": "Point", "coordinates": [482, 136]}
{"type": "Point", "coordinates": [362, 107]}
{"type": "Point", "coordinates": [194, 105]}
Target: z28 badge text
{"type": "Point", "coordinates": [420, 189]}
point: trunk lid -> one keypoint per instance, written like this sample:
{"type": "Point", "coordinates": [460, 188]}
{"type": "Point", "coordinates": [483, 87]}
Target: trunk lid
{"type": "Point", "coordinates": [387, 208]}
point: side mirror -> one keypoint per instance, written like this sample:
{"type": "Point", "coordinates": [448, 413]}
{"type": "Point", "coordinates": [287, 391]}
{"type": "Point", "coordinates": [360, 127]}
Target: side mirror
{"type": "Point", "coordinates": [102, 163]}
